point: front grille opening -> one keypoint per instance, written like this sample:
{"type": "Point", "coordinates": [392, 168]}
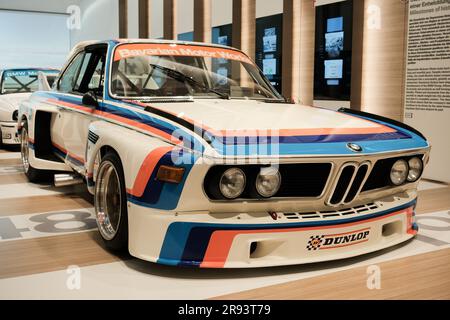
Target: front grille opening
{"type": "Point", "coordinates": [310, 217]}
{"type": "Point", "coordinates": [291, 215]}
{"type": "Point", "coordinates": [342, 185]}
{"type": "Point", "coordinates": [379, 177]}
{"type": "Point", "coordinates": [330, 214]}
{"type": "Point", "coordinates": [304, 179]}
{"type": "Point", "coordinates": [356, 185]}
{"type": "Point", "coordinates": [391, 228]}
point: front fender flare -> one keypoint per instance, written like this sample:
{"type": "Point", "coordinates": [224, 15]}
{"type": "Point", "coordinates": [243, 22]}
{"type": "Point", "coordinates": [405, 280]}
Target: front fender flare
{"type": "Point", "coordinates": [131, 146]}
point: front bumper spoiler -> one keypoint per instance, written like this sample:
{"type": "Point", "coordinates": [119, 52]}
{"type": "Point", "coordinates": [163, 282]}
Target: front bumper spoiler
{"type": "Point", "coordinates": [228, 242]}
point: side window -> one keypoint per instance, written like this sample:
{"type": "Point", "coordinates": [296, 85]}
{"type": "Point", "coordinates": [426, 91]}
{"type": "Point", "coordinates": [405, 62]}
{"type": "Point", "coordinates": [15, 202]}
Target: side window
{"type": "Point", "coordinates": [86, 59]}
{"type": "Point", "coordinates": [96, 82]}
{"type": "Point", "coordinates": [67, 81]}
{"type": "Point", "coordinates": [91, 74]}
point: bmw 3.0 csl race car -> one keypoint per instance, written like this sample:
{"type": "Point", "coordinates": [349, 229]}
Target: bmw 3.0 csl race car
{"type": "Point", "coordinates": [16, 86]}
{"type": "Point", "coordinates": [194, 159]}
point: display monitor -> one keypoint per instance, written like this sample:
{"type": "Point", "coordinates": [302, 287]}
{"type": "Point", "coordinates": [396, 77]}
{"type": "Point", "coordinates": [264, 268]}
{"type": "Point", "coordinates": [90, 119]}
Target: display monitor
{"type": "Point", "coordinates": [334, 44]}
{"type": "Point", "coordinates": [187, 36]}
{"type": "Point", "coordinates": [268, 44]}
{"type": "Point", "coordinates": [335, 24]}
{"type": "Point", "coordinates": [222, 35]}
{"type": "Point", "coordinates": [333, 51]}
{"type": "Point", "coordinates": [333, 69]}
{"type": "Point", "coordinates": [270, 40]}
{"type": "Point", "coordinates": [270, 67]}
{"type": "Point", "coordinates": [268, 48]}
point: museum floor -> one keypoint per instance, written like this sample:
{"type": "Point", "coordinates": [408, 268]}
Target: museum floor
{"type": "Point", "coordinates": [45, 230]}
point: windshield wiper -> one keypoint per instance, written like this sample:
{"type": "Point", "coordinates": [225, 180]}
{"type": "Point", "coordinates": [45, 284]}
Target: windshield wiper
{"type": "Point", "coordinates": [177, 75]}
{"type": "Point", "coordinates": [276, 100]}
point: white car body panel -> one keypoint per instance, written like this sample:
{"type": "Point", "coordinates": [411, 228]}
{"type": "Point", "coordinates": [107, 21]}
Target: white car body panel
{"type": "Point", "coordinates": [8, 127]}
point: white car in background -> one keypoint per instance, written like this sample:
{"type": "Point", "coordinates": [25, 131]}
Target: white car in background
{"type": "Point", "coordinates": [16, 86]}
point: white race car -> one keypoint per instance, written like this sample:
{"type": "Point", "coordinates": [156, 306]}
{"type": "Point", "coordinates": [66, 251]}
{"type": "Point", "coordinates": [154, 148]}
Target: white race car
{"type": "Point", "coordinates": [16, 86]}
{"type": "Point", "coordinates": [194, 159]}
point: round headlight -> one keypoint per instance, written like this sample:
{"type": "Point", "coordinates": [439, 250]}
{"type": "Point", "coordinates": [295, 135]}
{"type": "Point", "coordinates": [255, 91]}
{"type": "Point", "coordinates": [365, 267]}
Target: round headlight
{"type": "Point", "coordinates": [399, 172]}
{"type": "Point", "coordinates": [232, 183]}
{"type": "Point", "coordinates": [15, 115]}
{"type": "Point", "coordinates": [415, 169]}
{"type": "Point", "coordinates": [268, 182]}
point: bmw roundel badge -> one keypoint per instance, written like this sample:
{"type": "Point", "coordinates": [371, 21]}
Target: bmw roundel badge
{"type": "Point", "coordinates": [354, 147]}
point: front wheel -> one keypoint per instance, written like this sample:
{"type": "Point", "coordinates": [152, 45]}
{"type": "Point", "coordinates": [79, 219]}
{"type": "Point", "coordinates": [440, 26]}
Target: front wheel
{"type": "Point", "coordinates": [111, 203]}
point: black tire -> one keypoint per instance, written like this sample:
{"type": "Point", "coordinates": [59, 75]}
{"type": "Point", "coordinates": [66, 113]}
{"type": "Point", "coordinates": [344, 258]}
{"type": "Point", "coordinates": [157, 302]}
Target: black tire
{"type": "Point", "coordinates": [1, 139]}
{"type": "Point", "coordinates": [119, 240]}
{"type": "Point", "coordinates": [33, 175]}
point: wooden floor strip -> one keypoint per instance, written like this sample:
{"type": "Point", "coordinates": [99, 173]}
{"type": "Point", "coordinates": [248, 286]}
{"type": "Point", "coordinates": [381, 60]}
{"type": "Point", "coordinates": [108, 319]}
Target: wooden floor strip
{"type": "Point", "coordinates": [39, 255]}
{"type": "Point", "coordinates": [13, 178]}
{"type": "Point", "coordinates": [37, 204]}
{"type": "Point", "coordinates": [424, 276]}
{"type": "Point", "coordinates": [433, 200]}
{"type": "Point", "coordinates": [10, 162]}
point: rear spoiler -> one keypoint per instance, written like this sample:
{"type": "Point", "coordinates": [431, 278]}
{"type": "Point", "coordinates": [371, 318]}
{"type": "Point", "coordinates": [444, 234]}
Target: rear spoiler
{"type": "Point", "coordinates": [383, 119]}
{"type": "Point", "coordinates": [43, 82]}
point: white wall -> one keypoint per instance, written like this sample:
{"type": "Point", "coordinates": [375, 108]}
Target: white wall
{"type": "Point", "coordinates": [99, 20]}
{"type": "Point", "coordinates": [133, 18]}
{"type": "Point", "coordinates": [38, 5]}
{"type": "Point", "coordinates": [39, 39]}
{"type": "Point", "coordinates": [222, 12]}
{"type": "Point", "coordinates": [156, 11]}
{"type": "Point", "coordinates": [185, 15]}
{"type": "Point", "coordinates": [266, 8]}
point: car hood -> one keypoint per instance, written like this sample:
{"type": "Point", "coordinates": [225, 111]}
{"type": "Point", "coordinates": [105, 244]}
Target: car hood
{"type": "Point", "coordinates": [256, 128]}
{"type": "Point", "coordinates": [243, 116]}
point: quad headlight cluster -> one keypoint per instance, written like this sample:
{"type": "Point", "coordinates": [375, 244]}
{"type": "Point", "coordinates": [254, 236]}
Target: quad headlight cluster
{"type": "Point", "coordinates": [403, 171]}
{"type": "Point", "coordinates": [268, 182]}
{"type": "Point", "coordinates": [233, 182]}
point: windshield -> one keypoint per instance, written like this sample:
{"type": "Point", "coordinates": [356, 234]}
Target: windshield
{"type": "Point", "coordinates": [18, 81]}
{"type": "Point", "coordinates": [169, 70]}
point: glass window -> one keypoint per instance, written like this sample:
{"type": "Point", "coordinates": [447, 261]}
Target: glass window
{"type": "Point", "coordinates": [16, 81]}
{"type": "Point", "coordinates": [194, 71]}
{"type": "Point", "coordinates": [24, 80]}
{"type": "Point", "coordinates": [81, 73]}
{"type": "Point", "coordinates": [97, 79]}
{"type": "Point", "coordinates": [67, 81]}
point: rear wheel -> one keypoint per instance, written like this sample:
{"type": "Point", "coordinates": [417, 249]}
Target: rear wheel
{"type": "Point", "coordinates": [34, 175]}
{"type": "Point", "coordinates": [111, 203]}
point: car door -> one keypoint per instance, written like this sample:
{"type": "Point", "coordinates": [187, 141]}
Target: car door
{"type": "Point", "coordinates": [60, 123]}
{"type": "Point", "coordinates": [72, 125]}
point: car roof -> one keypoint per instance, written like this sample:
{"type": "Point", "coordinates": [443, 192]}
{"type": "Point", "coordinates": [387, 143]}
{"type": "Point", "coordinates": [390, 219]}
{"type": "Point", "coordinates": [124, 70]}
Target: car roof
{"type": "Point", "coordinates": [156, 41]}
{"type": "Point", "coordinates": [30, 68]}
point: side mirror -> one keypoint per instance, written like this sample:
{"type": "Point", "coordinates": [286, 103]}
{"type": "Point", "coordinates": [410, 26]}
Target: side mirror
{"type": "Point", "coordinates": [90, 99]}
